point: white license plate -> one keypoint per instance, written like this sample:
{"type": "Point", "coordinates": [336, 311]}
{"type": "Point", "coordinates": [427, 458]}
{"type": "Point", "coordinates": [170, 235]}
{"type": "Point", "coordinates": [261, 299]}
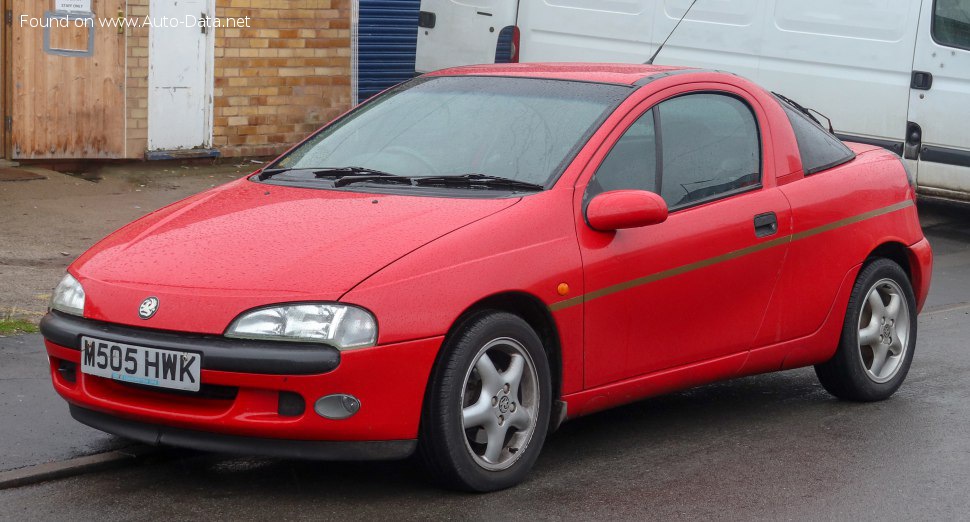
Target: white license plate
{"type": "Point", "coordinates": [141, 365]}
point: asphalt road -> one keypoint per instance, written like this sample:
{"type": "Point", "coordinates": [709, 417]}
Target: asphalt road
{"type": "Point", "coordinates": [35, 426]}
{"type": "Point", "coordinates": [767, 447]}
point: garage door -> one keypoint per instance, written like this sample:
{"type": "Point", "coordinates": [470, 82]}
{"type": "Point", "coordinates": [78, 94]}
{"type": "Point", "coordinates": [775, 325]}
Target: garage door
{"type": "Point", "coordinates": [387, 33]}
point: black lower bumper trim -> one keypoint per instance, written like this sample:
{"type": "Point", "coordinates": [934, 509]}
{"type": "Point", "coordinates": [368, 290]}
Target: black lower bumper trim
{"type": "Point", "coordinates": [218, 352]}
{"type": "Point", "coordinates": [216, 442]}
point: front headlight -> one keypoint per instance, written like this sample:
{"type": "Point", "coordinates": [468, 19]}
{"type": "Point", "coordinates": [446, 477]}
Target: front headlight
{"type": "Point", "coordinates": [68, 297]}
{"type": "Point", "coordinates": [341, 326]}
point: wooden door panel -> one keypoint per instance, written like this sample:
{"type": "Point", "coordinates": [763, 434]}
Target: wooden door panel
{"type": "Point", "coordinates": [4, 64]}
{"type": "Point", "coordinates": [67, 103]}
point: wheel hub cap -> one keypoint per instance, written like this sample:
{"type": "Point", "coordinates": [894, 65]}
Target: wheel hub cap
{"type": "Point", "coordinates": [503, 404]}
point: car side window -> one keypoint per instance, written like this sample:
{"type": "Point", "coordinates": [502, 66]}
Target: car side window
{"type": "Point", "coordinates": [631, 163]}
{"type": "Point", "coordinates": [710, 147]}
{"type": "Point", "coordinates": [951, 23]}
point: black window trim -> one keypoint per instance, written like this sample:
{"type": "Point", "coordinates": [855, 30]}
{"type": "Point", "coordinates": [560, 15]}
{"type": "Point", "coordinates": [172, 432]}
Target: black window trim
{"type": "Point", "coordinates": [933, 32]}
{"type": "Point", "coordinates": [658, 132]}
{"type": "Point", "coordinates": [659, 155]}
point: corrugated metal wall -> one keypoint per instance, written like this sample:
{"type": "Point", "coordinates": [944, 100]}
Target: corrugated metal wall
{"type": "Point", "coordinates": [387, 39]}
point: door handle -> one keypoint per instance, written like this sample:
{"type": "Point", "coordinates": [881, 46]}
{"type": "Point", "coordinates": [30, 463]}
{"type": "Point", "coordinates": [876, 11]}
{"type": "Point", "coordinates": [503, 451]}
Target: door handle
{"type": "Point", "coordinates": [922, 81]}
{"type": "Point", "coordinates": [765, 224]}
{"type": "Point", "coordinates": [426, 19]}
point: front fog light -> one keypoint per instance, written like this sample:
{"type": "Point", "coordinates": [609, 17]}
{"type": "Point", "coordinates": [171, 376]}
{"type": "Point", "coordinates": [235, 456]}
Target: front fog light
{"type": "Point", "coordinates": [337, 407]}
{"type": "Point", "coordinates": [68, 297]}
{"type": "Point", "coordinates": [341, 326]}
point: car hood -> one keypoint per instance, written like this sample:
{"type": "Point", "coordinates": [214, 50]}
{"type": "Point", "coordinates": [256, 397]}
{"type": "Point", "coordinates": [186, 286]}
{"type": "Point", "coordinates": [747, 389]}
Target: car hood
{"type": "Point", "coordinates": [246, 244]}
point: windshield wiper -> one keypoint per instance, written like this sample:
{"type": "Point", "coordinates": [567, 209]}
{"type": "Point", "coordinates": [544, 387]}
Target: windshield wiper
{"type": "Point", "coordinates": [344, 176]}
{"type": "Point", "coordinates": [343, 181]}
{"type": "Point", "coordinates": [328, 172]}
{"type": "Point", "coordinates": [347, 175]}
{"type": "Point", "coordinates": [483, 180]}
{"type": "Point", "coordinates": [465, 180]}
{"type": "Point", "coordinates": [344, 172]}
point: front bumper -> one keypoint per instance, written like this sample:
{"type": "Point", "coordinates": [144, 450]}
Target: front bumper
{"type": "Point", "coordinates": [242, 397]}
{"type": "Point", "coordinates": [280, 448]}
{"type": "Point", "coordinates": [218, 352]}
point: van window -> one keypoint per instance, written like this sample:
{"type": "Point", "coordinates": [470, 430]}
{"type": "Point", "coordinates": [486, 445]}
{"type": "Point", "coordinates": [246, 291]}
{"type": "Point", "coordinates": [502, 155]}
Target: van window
{"type": "Point", "coordinates": [819, 149]}
{"type": "Point", "coordinates": [631, 163]}
{"type": "Point", "coordinates": [951, 23]}
{"type": "Point", "coordinates": [710, 147]}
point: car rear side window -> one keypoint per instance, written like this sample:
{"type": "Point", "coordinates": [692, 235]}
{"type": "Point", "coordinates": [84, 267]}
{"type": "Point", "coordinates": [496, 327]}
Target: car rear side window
{"type": "Point", "coordinates": [710, 147]}
{"type": "Point", "coordinates": [819, 149]}
{"type": "Point", "coordinates": [951, 23]}
{"type": "Point", "coordinates": [631, 163]}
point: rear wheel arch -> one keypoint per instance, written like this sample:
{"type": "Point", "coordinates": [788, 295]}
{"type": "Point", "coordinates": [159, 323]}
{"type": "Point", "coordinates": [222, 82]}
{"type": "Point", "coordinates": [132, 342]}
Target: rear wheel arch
{"type": "Point", "coordinates": [853, 372]}
{"type": "Point", "coordinates": [902, 256]}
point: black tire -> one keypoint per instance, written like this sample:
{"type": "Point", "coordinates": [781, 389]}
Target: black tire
{"type": "Point", "coordinates": [852, 373]}
{"type": "Point", "coordinates": [444, 444]}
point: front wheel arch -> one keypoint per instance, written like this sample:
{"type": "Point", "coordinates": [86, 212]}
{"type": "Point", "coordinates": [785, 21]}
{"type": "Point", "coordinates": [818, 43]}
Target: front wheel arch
{"type": "Point", "coordinates": [533, 311]}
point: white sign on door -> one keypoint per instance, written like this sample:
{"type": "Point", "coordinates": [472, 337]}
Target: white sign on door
{"type": "Point", "coordinates": [73, 6]}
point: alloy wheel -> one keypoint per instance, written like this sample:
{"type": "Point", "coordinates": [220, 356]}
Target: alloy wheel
{"type": "Point", "coordinates": [884, 330]}
{"type": "Point", "coordinates": [499, 404]}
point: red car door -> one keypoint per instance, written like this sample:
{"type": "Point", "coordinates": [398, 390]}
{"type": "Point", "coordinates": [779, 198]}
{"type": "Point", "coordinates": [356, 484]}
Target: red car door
{"type": "Point", "coordinates": [697, 286]}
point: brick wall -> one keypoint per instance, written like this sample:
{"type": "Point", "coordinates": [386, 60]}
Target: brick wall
{"type": "Point", "coordinates": [136, 132]}
{"type": "Point", "coordinates": [283, 77]}
{"type": "Point", "coordinates": [275, 82]}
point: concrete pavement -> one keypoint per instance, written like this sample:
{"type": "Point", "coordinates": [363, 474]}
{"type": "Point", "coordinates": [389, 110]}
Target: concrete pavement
{"type": "Point", "coordinates": [48, 222]}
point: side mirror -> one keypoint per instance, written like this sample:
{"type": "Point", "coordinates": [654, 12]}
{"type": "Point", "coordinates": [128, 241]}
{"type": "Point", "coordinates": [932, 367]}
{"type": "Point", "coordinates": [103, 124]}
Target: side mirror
{"type": "Point", "coordinates": [619, 209]}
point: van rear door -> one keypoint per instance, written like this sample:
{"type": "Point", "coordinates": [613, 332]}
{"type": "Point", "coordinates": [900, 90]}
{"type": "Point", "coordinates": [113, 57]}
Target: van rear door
{"type": "Point", "coordinates": [939, 98]}
{"type": "Point", "coordinates": [464, 32]}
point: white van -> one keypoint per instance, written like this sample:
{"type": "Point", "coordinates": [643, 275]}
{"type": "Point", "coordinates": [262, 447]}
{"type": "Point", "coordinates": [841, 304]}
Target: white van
{"type": "Point", "coordinates": [895, 73]}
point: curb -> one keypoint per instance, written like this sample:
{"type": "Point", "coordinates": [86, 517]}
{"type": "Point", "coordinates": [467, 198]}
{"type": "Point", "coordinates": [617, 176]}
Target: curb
{"type": "Point", "coordinates": [69, 468]}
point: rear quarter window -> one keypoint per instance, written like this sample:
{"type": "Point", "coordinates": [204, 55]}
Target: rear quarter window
{"type": "Point", "coordinates": [819, 149]}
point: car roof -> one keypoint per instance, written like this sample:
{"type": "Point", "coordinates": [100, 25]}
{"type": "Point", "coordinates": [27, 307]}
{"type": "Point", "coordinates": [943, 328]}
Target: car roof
{"type": "Point", "coordinates": [621, 73]}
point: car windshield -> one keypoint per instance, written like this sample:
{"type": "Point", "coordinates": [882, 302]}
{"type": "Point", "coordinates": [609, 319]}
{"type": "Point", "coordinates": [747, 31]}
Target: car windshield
{"type": "Point", "coordinates": [519, 129]}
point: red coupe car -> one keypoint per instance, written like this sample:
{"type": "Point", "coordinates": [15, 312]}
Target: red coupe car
{"type": "Point", "coordinates": [462, 263]}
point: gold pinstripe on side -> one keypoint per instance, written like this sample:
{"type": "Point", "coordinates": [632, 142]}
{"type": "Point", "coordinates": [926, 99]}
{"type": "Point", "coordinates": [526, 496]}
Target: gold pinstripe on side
{"type": "Point", "coordinates": [626, 285]}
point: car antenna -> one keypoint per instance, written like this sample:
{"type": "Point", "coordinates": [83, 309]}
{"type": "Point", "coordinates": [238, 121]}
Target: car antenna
{"type": "Point", "coordinates": [672, 31]}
